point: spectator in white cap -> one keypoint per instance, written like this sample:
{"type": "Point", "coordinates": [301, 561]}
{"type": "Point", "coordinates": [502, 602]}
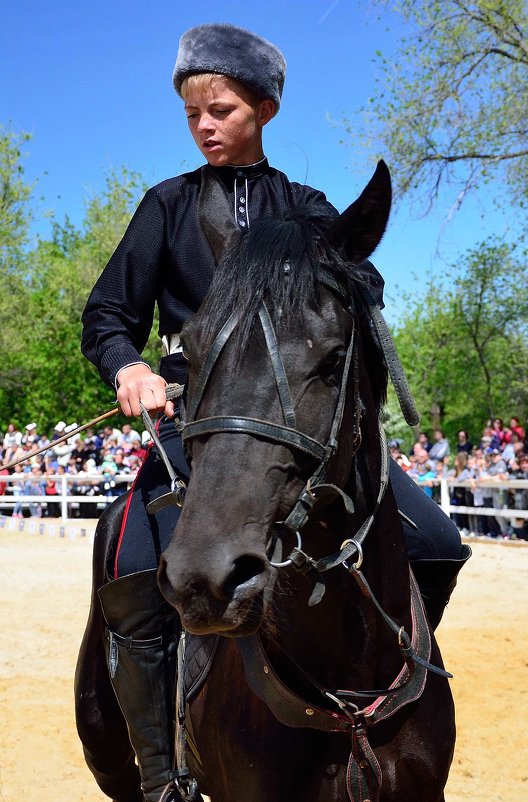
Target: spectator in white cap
{"type": "Point", "coordinates": [29, 435]}
{"type": "Point", "coordinates": [58, 431]}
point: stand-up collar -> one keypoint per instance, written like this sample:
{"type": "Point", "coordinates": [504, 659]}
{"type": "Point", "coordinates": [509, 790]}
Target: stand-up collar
{"type": "Point", "coordinates": [230, 173]}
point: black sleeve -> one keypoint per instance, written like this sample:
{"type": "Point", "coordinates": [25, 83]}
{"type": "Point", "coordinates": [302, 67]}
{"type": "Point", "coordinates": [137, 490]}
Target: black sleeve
{"type": "Point", "coordinates": [118, 316]}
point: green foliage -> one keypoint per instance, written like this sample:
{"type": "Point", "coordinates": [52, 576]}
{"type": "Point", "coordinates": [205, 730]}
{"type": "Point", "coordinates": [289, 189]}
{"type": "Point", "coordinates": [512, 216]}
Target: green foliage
{"type": "Point", "coordinates": [15, 219]}
{"type": "Point", "coordinates": [450, 114]}
{"type": "Point", "coordinates": [15, 193]}
{"type": "Point", "coordinates": [44, 375]}
{"type": "Point", "coordinates": [451, 108]}
{"type": "Point", "coordinates": [464, 344]}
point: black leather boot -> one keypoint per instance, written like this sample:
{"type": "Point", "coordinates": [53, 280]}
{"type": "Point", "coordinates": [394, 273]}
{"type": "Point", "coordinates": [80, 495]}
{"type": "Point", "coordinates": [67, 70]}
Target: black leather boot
{"type": "Point", "coordinates": [143, 633]}
{"type": "Point", "coordinates": [437, 580]}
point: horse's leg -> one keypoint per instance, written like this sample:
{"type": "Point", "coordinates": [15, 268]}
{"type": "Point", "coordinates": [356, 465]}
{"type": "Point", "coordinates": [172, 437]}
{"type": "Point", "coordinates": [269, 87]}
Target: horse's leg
{"type": "Point", "coordinates": [100, 723]}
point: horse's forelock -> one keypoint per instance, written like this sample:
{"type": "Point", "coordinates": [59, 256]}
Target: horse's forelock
{"type": "Point", "coordinates": [276, 262]}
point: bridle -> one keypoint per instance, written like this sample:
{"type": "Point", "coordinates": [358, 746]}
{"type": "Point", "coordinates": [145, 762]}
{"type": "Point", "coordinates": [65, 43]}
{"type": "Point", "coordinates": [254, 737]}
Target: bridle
{"type": "Point", "coordinates": [285, 433]}
{"type": "Point", "coordinates": [285, 705]}
{"type": "Point", "coordinates": [293, 438]}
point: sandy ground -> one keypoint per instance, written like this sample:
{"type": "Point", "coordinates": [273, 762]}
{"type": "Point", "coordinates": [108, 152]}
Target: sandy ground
{"type": "Point", "coordinates": [44, 595]}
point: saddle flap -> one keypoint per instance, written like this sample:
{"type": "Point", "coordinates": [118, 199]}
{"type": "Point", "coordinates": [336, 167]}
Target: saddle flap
{"type": "Point", "coordinates": [200, 652]}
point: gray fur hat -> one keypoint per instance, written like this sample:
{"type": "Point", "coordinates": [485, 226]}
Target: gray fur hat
{"type": "Point", "coordinates": [228, 50]}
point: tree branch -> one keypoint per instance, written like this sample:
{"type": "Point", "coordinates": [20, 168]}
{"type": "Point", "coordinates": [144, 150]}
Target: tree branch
{"type": "Point", "coordinates": [473, 155]}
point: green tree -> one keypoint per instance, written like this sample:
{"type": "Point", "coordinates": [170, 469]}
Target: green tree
{"type": "Point", "coordinates": [464, 343]}
{"type": "Point", "coordinates": [490, 307]}
{"type": "Point", "coordinates": [15, 220]}
{"type": "Point", "coordinates": [63, 272]}
{"type": "Point", "coordinates": [451, 110]}
{"type": "Point", "coordinates": [45, 286]}
{"type": "Point", "coordinates": [15, 194]}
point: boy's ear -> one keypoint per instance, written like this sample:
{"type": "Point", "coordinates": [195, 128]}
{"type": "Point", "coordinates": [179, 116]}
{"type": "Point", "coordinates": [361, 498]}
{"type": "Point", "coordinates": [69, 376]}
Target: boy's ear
{"type": "Point", "coordinates": [266, 111]}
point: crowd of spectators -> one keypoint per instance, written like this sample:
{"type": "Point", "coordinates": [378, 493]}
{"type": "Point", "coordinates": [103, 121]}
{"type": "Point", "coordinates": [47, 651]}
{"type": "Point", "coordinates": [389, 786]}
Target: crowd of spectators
{"type": "Point", "coordinates": [99, 461]}
{"type": "Point", "coordinates": [500, 453]}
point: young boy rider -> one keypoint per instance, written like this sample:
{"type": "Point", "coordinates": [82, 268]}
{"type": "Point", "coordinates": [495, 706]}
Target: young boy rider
{"type": "Point", "coordinates": [231, 82]}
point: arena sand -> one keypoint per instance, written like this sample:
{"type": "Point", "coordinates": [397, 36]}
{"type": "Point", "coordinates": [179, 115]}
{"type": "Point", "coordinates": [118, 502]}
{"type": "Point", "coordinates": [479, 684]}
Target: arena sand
{"type": "Point", "coordinates": [44, 595]}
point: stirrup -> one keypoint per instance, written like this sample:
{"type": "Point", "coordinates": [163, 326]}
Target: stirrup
{"type": "Point", "coordinates": [184, 789]}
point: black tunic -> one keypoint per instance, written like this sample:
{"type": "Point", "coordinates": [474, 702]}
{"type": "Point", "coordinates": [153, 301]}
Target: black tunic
{"type": "Point", "coordinates": [165, 258]}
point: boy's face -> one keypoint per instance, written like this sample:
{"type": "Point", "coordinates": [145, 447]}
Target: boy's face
{"type": "Point", "coordinates": [226, 122]}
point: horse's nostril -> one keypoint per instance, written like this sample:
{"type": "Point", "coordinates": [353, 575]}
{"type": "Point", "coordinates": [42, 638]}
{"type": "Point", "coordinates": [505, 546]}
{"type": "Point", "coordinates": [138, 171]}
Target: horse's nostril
{"type": "Point", "coordinates": [245, 569]}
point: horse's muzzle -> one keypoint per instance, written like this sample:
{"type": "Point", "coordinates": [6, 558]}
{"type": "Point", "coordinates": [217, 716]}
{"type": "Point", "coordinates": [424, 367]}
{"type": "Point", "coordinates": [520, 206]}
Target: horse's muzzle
{"type": "Point", "coordinates": [228, 602]}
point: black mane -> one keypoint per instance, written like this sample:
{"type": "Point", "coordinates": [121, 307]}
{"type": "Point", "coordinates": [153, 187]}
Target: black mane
{"type": "Point", "coordinates": [280, 261]}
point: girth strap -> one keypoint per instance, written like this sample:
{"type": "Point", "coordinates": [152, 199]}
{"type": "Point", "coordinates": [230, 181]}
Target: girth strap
{"type": "Point", "coordinates": [363, 778]}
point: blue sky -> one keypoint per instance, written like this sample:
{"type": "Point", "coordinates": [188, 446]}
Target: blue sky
{"type": "Point", "coordinates": [91, 81]}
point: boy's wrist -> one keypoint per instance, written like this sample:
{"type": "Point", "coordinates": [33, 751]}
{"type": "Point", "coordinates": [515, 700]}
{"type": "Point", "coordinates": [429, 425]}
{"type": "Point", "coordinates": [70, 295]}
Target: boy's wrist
{"type": "Point", "coordinates": [118, 380]}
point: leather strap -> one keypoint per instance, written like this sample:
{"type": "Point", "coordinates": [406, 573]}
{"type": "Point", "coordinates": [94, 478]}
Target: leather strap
{"type": "Point", "coordinates": [205, 372]}
{"type": "Point", "coordinates": [363, 778]}
{"type": "Point", "coordinates": [293, 711]}
{"type": "Point", "coordinates": [281, 380]}
{"type": "Point", "coordinates": [178, 486]}
{"type": "Point", "coordinates": [392, 360]}
{"type": "Point", "coordinates": [269, 431]}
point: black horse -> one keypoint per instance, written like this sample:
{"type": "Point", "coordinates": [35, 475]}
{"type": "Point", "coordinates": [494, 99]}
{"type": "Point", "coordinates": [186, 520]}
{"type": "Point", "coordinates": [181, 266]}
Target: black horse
{"type": "Point", "coordinates": [289, 546]}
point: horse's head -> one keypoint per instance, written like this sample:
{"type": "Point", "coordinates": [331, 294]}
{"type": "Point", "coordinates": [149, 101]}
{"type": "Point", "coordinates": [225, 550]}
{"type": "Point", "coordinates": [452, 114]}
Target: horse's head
{"type": "Point", "coordinates": [267, 354]}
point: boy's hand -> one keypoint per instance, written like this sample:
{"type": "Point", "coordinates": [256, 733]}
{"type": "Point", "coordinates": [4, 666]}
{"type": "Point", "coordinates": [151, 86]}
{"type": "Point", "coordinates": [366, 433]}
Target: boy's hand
{"type": "Point", "coordinates": [138, 383]}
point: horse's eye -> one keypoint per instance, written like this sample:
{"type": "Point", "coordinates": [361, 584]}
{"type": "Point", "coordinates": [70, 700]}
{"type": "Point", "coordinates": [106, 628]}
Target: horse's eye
{"type": "Point", "coordinates": [332, 362]}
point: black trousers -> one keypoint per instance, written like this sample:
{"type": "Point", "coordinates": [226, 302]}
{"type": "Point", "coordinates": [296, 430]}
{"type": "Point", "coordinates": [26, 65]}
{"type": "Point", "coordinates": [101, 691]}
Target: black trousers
{"type": "Point", "coordinates": [143, 537]}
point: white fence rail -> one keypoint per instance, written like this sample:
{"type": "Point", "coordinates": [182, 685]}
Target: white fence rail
{"type": "Point", "coordinates": [504, 511]}
{"type": "Point", "coordinates": [71, 504]}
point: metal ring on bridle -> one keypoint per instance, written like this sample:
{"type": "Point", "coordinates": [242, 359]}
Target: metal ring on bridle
{"type": "Point", "coordinates": [179, 488]}
{"type": "Point", "coordinates": [357, 565]}
{"type": "Point", "coordinates": [288, 561]}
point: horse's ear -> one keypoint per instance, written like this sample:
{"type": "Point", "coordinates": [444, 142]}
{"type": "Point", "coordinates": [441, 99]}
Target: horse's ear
{"type": "Point", "coordinates": [358, 231]}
